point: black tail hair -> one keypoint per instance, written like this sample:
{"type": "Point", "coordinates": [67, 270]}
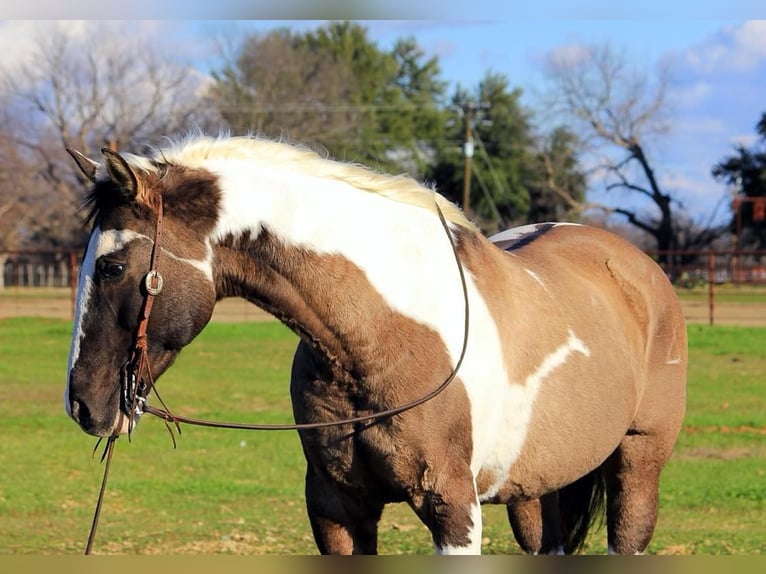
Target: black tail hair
{"type": "Point", "coordinates": [582, 505]}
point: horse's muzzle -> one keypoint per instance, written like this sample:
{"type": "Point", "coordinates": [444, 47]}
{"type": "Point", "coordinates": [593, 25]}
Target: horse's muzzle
{"type": "Point", "coordinates": [112, 426]}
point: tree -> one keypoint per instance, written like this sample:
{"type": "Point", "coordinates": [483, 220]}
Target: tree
{"type": "Point", "coordinates": [618, 111]}
{"type": "Point", "coordinates": [279, 87]}
{"type": "Point", "coordinates": [20, 201]}
{"type": "Point", "coordinates": [745, 171]}
{"type": "Point", "coordinates": [557, 189]}
{"type": "Point", "coordinates": [335, 88]}
{"type": "Point", "coordinates": [106, 88]}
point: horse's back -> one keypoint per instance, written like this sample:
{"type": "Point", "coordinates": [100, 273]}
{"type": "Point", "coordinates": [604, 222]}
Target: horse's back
{"type": "Point", "coordinates": [603, 262]}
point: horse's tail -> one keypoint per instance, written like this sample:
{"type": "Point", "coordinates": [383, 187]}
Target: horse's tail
{"type": "Point", "coordinates": [582, 506]}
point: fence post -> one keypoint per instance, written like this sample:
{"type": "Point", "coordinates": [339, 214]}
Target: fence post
{"type": "Point", "coordinates": [711, 285]}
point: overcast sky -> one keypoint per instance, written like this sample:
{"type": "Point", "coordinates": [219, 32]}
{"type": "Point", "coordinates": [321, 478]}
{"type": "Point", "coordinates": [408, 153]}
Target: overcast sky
{"type": "Point", "coordinates": [718, 67]}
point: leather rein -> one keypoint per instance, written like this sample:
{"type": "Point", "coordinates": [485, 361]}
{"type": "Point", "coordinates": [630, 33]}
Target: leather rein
{"type": "Point", "coordinates": [137, 380]}
{"type": "Point", "coordinates": [135, 393]}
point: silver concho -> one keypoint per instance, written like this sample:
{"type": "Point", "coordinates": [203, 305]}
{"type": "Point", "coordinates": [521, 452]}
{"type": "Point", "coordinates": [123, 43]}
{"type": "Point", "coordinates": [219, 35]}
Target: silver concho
{"type": "Point", "coordinates": [153, 282]}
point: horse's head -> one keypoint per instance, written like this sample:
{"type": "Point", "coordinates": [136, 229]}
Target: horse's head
{"type": "Point", "coordinates": [126, 194]}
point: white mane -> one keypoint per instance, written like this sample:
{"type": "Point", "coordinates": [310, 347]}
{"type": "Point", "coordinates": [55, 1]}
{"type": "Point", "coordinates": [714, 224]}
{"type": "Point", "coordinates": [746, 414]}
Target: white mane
{"type": "Point", "coordinates": [193, 150]}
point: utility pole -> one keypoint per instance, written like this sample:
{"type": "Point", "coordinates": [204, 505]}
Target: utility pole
{"type": "Point", "coordinates": [468, 155]}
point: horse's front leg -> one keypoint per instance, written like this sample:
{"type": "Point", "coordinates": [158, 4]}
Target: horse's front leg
{"type": "Point", "coordinates": [448, 505]}
{"type": "Point", "coordinates": [341, 525]}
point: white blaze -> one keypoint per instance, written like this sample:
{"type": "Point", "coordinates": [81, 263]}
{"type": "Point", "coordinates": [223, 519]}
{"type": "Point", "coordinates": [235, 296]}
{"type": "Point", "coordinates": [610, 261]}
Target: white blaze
{"type": "Point", "coordinates": [83, 299]}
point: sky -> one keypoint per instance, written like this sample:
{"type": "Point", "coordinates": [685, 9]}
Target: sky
{"type": "Point", "coordinates": [717, 58]}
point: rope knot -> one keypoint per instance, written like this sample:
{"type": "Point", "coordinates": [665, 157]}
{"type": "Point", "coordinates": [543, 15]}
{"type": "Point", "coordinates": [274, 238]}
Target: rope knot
{"type": "Point", "coordinates": [141, 343]}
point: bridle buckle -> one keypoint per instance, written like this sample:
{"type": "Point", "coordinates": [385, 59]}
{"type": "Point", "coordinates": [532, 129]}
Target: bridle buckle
{"type": "Point", "coordinates": [153, 282]}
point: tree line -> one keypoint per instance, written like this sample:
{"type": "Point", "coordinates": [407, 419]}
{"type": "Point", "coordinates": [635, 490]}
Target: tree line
{"type": "Point", "coordinates": [336, 90]}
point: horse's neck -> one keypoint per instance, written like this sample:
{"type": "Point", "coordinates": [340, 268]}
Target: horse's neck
{"type": "Point", "coordinates": [332, 262]}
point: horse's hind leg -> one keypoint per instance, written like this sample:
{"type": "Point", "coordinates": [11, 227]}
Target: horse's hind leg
{"type": "Point", "coordinates": [536, 524]}
{"type": "Point", "coordinates": [632, 482]}
{"type": "Point", "coordinates": [340, 524]}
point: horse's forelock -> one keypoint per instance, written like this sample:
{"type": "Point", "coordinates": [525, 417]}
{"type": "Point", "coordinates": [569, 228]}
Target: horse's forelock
{"type": "Point", "coordinates": [105, 196]}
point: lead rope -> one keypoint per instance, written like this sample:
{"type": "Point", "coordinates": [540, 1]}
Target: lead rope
{"type": "Point", "coordinates": [141, 361]}
{"type": "Point", "coordinates": [97, 514]}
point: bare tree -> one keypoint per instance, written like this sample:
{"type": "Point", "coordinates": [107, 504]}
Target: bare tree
{"type": "Point", "coordinates": [558, 193]}
{"type": "Point", "coordinates": [106, 88]}
{"type": "Point", "coordinates": [278, 86]}
{"type": "Point", "coordinates": [619, 112]}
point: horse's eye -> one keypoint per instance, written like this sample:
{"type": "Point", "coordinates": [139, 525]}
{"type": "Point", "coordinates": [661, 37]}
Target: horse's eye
{"type": "Point", "coordinates": [109, 270]}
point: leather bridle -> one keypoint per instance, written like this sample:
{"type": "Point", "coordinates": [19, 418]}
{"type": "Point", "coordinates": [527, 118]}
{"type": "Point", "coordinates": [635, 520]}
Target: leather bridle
{"type": "Point", "coordinates": [134, 388]}
{"type": "Point", "coordinates": [137, 380]}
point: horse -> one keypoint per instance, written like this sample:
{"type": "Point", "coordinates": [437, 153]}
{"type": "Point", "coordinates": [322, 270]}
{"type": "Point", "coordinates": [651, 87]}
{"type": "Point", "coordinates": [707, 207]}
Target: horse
{"type": "Point", "coordinates": [566, 343]}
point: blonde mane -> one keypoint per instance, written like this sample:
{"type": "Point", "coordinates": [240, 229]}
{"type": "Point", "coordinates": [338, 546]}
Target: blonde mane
{"type": "Point", "coordinates": [194, 150]}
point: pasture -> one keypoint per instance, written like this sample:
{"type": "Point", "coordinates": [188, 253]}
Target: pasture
{"type": "Point", "coordinates": [238, 492]}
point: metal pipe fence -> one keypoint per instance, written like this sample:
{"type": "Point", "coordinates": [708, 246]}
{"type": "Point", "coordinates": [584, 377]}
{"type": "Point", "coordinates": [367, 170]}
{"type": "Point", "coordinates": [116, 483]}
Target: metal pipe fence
{"type": "Point", "coordinates": [686, 269]}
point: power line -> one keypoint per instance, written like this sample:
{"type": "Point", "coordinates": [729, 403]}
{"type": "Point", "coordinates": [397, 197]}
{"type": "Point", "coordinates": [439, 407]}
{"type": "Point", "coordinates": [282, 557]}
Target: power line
{"type": "Point", "coordinates": [328, 108]}
{"type": "Point", "coordinates": [499, 182]}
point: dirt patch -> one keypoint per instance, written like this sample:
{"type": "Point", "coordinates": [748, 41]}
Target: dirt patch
{"type": "Point", "coordinates": [57, 303]}
{"type": "Point", "coordinates": [717, 453]}
{"type": "Point", "coordinates": [725, 429]}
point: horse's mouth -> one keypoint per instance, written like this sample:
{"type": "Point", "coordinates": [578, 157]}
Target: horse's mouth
{"type": "Point", "coordinates": [133, 398]}
{"type": "Point", "coordinates": [126, 424]}
{"type": "Point", "coordinates": [132, 401]}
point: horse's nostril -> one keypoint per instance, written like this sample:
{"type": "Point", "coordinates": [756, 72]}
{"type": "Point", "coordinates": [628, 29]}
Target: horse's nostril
{"type": "Point", "coordinates": [76, 411]}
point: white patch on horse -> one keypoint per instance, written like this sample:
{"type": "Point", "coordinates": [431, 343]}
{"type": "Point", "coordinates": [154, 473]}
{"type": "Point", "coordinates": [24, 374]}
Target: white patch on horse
{"type": "Point", "coordinates": [474, 534]}
{"type": "Point", "coordinates": [506, 418]}
{"type": "Point", "coordinates": [536, 277]}
{"type": "Point", "coordinates": [673, 362]}
{"type": "Point", "coordinates": [84, 290]}
{"type": "Point", "coordinates": [203, 265]}
{"type": "Point", "coordinates": [396, 248]}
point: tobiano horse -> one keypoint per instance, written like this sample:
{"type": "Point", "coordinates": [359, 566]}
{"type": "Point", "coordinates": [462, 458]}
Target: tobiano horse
{"type": "Point", "coordinates": [572, 385]}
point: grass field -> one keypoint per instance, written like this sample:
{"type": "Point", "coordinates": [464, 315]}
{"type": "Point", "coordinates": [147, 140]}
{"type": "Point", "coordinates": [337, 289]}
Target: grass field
{"type": "Point", "coordinates": [236, 492]}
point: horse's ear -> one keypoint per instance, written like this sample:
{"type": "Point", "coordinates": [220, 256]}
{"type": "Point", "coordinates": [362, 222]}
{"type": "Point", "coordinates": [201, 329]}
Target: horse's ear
{"type": "Point", "coordinates": [122, 174]}
{"type": "Point", "coordinates": [86, 165]}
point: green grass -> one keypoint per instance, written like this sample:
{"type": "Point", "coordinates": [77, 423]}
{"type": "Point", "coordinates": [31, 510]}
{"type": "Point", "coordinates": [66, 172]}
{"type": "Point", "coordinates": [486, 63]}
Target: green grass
{"type": "Point", "coordinates": [223, 491]}
{"type": "Point", "coordinates": [725, 293]}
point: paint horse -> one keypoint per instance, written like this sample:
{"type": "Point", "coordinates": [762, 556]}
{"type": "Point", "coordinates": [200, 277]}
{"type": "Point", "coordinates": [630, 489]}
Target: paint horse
{"type": "Point", "coordinates": [573, 380]}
